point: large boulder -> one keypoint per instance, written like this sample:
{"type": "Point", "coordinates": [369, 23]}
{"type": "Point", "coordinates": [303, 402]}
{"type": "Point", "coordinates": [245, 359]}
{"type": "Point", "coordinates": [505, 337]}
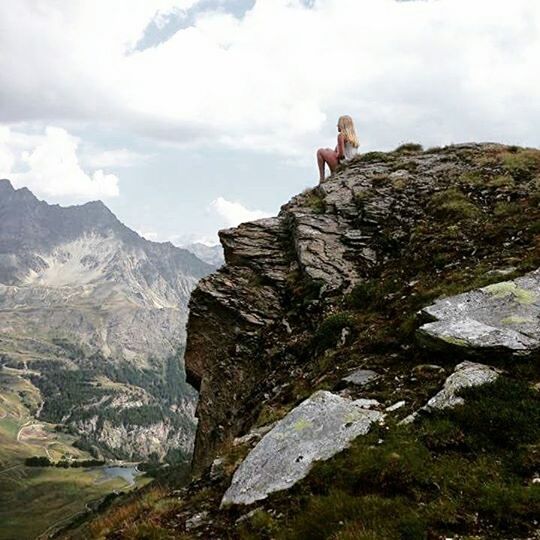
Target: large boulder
{"type": "Point", "coordinates": [318, 428]}
{"type": "Point", "coordinates": [501, 317]}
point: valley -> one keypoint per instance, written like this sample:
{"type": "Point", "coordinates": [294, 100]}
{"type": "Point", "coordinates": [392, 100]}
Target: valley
{"type": "Point", "coordinates": [92, 380]}
{"type": "Point", "coordinates": [51, 495]}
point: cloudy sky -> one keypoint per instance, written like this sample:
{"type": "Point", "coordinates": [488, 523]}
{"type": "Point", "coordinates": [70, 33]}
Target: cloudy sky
{"type": "Point", "coordinates": [186, 116]}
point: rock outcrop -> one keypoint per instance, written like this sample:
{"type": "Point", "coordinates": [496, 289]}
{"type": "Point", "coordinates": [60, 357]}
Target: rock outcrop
{"type": "Point", "coordinates": [309, 335]}
{"type": "Point", "coordinates": [316, 430]}
{"type": "Point", "coordinates": [502, 317]}
{"type": "Point", "coordinates": [382, 230]}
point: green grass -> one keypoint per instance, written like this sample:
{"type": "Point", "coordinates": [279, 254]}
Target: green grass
{"type": "Point", "coordinates": [330, 330]}
{"type": "Point", "coordinates": [521, 165]}
{"type": "Point", "coordinates": [463, 470]}
{"type": "Point", "coordinates": [453, 203]}
{"type": "Point", "coordinates": [316, 201]}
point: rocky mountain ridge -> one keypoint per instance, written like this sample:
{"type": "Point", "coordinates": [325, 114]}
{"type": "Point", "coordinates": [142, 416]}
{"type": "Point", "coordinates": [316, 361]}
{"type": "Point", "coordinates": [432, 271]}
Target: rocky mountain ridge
{"type": "Point", "coordinates": [95, 316]}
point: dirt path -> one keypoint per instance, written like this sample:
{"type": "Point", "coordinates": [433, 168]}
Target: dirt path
{"type": "Point", "coordinates": [20, 431]}
{"type": "Point", "coordinates": [10, 468]}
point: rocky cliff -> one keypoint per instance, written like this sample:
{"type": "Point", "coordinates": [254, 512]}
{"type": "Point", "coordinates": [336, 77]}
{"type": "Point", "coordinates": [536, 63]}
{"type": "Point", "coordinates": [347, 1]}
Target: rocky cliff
{"type": "Point", "coordinates": [407, 221]}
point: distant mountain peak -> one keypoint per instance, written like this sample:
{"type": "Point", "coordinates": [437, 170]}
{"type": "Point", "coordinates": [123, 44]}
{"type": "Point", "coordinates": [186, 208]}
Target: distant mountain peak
{"type": "Point", "coordinates": [32, 227]}
{"type": "Point", "coordinates": [6, 184]}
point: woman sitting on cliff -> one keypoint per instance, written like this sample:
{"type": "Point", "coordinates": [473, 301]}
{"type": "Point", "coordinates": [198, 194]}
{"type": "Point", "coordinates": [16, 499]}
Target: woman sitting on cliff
{"type": "Point", "coordinates": [347, 147]}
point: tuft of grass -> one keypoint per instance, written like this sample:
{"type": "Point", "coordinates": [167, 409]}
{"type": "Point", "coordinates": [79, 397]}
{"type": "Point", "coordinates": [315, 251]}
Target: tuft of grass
{"type": "Point", "coordinates": [472, 179]}
{"type": "Point", "coordinates": [270, 414]}
{"type": "Point", "coordinates": [125, 515]}
{"type": "Point", "coordinates": [370, 157]}
{"type": "Point", "coordinates": [261, 525]}
{"type": "Point", "coordinates": [503, 181]}
{"type": "Point", "coordinates": [454, 204]}
{"type": "Point", "coordinates": [316, 201]}
{"type": "Point", "coordinates": [149, 531]}
{"type": "Point", "coordinates": [523, 165]}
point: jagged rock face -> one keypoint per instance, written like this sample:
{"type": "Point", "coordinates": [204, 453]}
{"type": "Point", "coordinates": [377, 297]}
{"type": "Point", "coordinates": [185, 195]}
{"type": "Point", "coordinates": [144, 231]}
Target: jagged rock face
{"type": "Point", "coordinates": [93, 312]}
{"type": "Point", "coordinates": [502, 317]}
{"type": "Point", "coordinates": [250, 320]}
{"type": "Point", "coordinates": [316, 430]}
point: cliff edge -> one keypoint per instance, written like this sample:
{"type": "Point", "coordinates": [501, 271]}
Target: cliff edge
{"type": "Point", "coordinates": [414, 223]}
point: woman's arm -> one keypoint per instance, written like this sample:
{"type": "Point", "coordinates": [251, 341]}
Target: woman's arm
{"type": "Point", "coordinates": [340, 148]}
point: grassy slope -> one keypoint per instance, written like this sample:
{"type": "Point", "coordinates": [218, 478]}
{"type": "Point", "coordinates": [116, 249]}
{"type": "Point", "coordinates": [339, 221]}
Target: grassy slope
{"type": "Point", "coordinates": [33, 499]}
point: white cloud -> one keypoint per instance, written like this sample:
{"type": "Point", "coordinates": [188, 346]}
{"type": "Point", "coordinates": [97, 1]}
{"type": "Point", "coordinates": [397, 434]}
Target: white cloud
{"type": "Point", "coordinates": [7, 159]}
{"type": "Point", "coordinates": [436, 71]}
{"type": "Point", "coordinates": [48, 164]}
{"type": "Point", "coordinates": [234, 213]}
{"type": "Point", "coordinates": [121, 157]}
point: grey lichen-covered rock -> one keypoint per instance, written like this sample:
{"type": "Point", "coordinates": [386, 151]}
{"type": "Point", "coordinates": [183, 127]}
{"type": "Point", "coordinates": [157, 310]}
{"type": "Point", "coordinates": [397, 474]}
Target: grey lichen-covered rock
{"type": "Point", "coordinates": [317, 429]}
{"type": "Point", "coordinates": [361, 377]}
{"type": "Point", "coordinates": [466, 375]}
{"type": "Point", "coordinates": [504, 316]}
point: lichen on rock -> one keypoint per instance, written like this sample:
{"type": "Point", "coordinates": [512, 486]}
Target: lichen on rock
{"type": "Point", "coordinates": [504, 316]}
{"type": "Point", "coordinates": [317, 429]}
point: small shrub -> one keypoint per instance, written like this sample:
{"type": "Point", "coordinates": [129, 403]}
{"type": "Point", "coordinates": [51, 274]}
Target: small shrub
{"type": "Point", "coordinates": [370, 157]}
{"type": "Point", "coordinates": [370, 295]}
{"type": "Point", "coordinates": [409, 147]}
{"type": "Point", "coordinates": [330, 330]}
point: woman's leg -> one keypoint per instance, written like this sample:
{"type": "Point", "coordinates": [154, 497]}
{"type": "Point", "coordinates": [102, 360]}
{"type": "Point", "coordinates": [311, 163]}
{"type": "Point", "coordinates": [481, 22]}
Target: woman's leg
{"type": "Point", "coordinates": [326, 156]}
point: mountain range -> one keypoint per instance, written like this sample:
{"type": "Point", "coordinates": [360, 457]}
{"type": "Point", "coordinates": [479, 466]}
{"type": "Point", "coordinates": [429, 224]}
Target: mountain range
{"type": "Point", "coordinates": [94, 316]}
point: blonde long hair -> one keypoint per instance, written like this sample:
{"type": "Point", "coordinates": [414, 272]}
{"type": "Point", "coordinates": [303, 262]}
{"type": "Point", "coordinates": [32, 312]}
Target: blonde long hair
{"type": "Point", "coordinates": [346, 126]}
